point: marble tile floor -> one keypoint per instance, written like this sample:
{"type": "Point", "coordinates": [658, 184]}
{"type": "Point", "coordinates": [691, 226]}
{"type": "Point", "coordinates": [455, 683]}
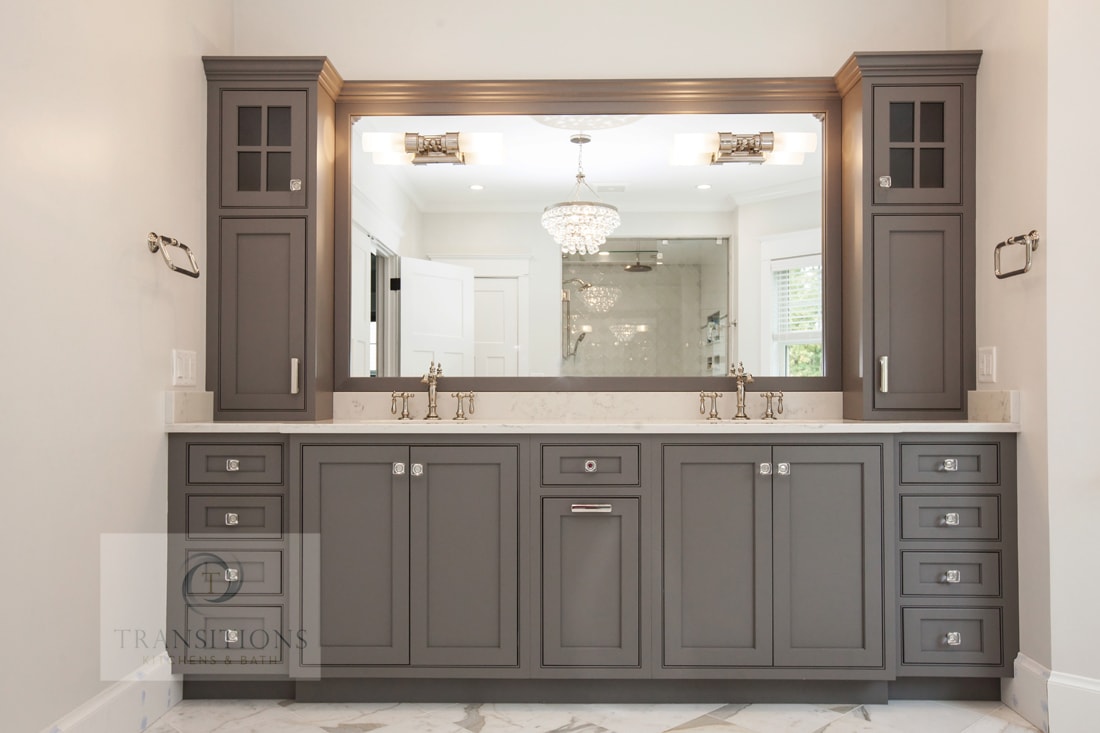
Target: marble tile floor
{"type": "Point", "coordinates": [286, 716]}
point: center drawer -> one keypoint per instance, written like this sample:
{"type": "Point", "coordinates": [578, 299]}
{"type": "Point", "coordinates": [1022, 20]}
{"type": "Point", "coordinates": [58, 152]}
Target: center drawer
{"type": "Point", "coordinates": [590, 465]}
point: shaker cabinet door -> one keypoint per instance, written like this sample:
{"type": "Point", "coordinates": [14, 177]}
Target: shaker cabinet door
{"type": "Point", "coordinates": [918, 313]}
{"type": "Point", "coordinates": [261, 322]}
{"type": "Point", "coordinates": [263, 148]}
{"type": "Point", "coordinates": [717, 556]}
{"type": "Point", "coordinates": [828, 556]}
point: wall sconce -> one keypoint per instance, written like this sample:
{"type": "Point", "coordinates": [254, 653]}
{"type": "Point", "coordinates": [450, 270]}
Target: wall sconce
{"type": "Point", "coordinates": [458, 148]}
{"type": "Point", "coordinates": [774, 148]}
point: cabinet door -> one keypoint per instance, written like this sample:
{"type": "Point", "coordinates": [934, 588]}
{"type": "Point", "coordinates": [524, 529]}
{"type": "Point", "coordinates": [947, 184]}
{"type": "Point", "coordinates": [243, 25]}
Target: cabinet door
{"type": "Point", "coordinates": [918, 145]}
{"type": "Point", "coordinates": [918, 313]}
{"type": "Point", "coordinates": [828, 556]}
{"type": "Point", "coordinates": [464, 538]}
{"type": "Point", "coordinates": [591, 582]}
{"type": "Point", "coordinates": [355, 555]}
{"type": "Point", "coordinates": [263, 148]}
{"type": "Point", "coordinates": [717, 556]}
{"type": "Point", "coordinates": [261, 314]}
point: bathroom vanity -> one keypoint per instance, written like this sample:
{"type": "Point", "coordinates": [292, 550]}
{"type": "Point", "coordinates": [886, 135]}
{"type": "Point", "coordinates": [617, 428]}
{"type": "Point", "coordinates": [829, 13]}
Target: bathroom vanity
{"type": "Point", "coordinates": [344, 561]}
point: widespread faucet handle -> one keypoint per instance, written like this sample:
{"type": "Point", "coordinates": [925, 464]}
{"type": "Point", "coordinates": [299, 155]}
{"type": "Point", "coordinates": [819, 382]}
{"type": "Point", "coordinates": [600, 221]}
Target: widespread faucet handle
{"type": "Point", "coordinates": [713, 404]}
{"type": "Point", "coordinates": [461, 414]}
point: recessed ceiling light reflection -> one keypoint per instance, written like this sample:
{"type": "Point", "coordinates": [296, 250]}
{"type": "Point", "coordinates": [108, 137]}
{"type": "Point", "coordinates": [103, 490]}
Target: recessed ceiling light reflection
{"type": "Point", "coordinates": [703, 187]}
{"type": "Point", "coordinates": [477, 187]}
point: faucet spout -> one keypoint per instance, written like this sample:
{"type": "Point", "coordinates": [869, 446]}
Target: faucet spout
{"type": "Point", "coordinates": [432, 380]}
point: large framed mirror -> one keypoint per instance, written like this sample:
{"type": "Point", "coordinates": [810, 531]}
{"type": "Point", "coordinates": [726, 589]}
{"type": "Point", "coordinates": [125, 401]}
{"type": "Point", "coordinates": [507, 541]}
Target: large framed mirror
{"type": "Point", "coordinates": [711, 263]}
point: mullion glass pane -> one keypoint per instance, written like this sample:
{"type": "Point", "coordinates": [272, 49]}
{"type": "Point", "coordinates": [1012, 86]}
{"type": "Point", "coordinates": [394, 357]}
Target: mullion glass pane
{"type": "Point", "coordinates": [931, 168]}
{"type": "Point", "coordinates": [248, 171]}
{"type": "Point", "coordinates": [278, 171]}
{"type": "Point", "coordinates": [249, 126]}
{"type": "Point", "coordinates": [901, 122]}
{"type": "Point", "coordinates": [931, 122]}
{"type": "Point", "coordinates": [278, 126]}
{"type": "Point", "coordinates": [901, 167]}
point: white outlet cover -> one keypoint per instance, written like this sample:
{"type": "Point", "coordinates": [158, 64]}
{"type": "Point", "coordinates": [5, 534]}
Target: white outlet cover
{"type": "Point", "coordinates": [184, 368]}
{"type": "Point", "coordinates": [987, 364]}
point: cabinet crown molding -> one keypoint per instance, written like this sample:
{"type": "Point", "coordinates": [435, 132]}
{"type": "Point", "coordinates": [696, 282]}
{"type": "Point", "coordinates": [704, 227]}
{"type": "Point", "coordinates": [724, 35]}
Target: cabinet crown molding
{"type": "Point", "coordinates": [275, 68]}
{"type": "Point", "coordinates": [907, 63]}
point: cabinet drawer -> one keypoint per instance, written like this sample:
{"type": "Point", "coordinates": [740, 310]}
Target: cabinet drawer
{"type": "Point", "coordinates": [237, 635]}
{"type": "Point", "coordinates": [223, 575]}
{"type": "Point", "coordinates": [950, 517]}
{"type": "Point", "coordinates": [945, 463]}
{"type": "Point", "coordinates": [951, 573]}
{"type": "Point", "coordinates": [249, 517]}
{"type": "Point", "coordinates": [590, 465]}
{"type": "Point", "coordinates": [234, 464]}
{"type": "Point", "coordinates": [951, 636]}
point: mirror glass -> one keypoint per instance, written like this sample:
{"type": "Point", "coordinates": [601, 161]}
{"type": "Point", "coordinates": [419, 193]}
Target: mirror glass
{"type": "Point", "coordinates": [711, 264]}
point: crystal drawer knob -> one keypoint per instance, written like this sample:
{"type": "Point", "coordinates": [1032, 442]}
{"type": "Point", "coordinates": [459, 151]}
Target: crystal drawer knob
{"type": "Point", "coordinates": [232, 575]}
{"type": "Point", "coordinates": [765, 469]}
{"type": "Point", "coordinates": [885, 181]}
{"type": "Point", "coordinates": [951, 519]}
{"type": "Point", "coordinates": [232, 464]}
{"type": "Point", "coordinates": [399, 469]}
{"type": "Point", "coordinates": [295, 184]}
{"type": "Point", "coordinates": [418, 469]}
{"type": "Point", "coordinates": [952, 576]}
{"type": "Point", "coordinates": [232, 519]}
{"type": "Point", "coordinates": [783, 469]}
{"type": "Point", "coordinates": [950, 465]}
{"type": "Point", "coordinates": [591, 465]}
{"type": "Point", "coordinates": [953, 638]}
{"type": "Point", "coordinates": [232, 636]}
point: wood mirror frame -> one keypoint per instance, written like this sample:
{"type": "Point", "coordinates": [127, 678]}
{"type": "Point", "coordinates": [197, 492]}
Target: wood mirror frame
{"type": "Point", "coordinates": [569, 97]}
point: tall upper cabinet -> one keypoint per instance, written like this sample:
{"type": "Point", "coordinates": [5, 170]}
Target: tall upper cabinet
{"type": "Point", "coordinates": [908, 242]}
{"type": "Point", "coordinates": [270, 149]}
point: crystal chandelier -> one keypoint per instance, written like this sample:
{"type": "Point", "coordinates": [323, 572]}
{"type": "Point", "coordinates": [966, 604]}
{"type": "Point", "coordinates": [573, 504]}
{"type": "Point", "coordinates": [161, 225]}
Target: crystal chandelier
{"type": "Point", "coordinates": [623, 332]}
{"type": "Point", "coordinates": [580, 227]}
{"type": "Point", "coordinates": [600, 298]}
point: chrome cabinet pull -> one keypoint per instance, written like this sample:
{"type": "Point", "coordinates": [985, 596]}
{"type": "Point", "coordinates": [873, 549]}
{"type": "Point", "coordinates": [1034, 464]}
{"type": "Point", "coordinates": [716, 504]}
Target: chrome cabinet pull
{"type": "Point", "coordinates": [590, 508]}
{"type": "Point", "coordinates": [418, 469]}
{"type": "Point", "coordinates": [951, 576]}
{"type": "Point", "coordinates": [951, 519]}
{"type": "Point", "coordinates": [232, 519]}
{"type": "Point", "coordinates": [295, 184]}
{"type": "Point", "coordinates": [232, 575]}
{"type": "Point", "coordinates": [885, 181]}
{"type": "Point", "coordinates": [765, 469]}
{"type": "Point", "coordinates": [884, 374]}
{"type": "Point", "coordinates": [294, 388]}
{"type": "Point", "coordinates": [950, 465]}
{"type": "Point", "coordinates": [953, 638]}
{"type": "Point", "coordinates": [232, 464]}
{"type": "Point", "coordinates": [783, 469]}
{"type": "Point", "coordinates": [591, 465]}
{"type": "Point", "coordinates": [232, 636]}
{"type": "Point", "coordinates": [399, 469]}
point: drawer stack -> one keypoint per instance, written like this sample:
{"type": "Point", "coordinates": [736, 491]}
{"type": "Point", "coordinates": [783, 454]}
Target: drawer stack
{"type": "Point", "coordinates": [227, 545]}
{"type": "Point", "coordinates": [957, 569]}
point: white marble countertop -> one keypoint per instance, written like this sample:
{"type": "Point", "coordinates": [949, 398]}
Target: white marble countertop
{"type": "Point", "coordinates": [591, 427]}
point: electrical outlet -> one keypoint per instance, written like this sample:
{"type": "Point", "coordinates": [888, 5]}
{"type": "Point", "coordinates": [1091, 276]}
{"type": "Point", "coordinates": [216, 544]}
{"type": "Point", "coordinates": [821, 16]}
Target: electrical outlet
{"type": "Point", "coordinates": [184, 366]}
{"type": "Point", "coordinates": [987, 364]}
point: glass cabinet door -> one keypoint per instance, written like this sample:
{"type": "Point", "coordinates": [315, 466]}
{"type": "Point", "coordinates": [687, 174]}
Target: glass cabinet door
{"type": "Point", "coordinates": [917, 145]}
{"type": "Point", "coordinates": [263, 151]}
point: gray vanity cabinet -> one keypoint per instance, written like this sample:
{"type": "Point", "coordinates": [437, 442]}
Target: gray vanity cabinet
{"type": "Point", "coordinates": [717, 556]}
{"type": "Point", "coordinates": [409, 556]}
{"type": "Point", "coordinates": [908, 234]}
{"type": "Point", "coordinates": [270, 237]}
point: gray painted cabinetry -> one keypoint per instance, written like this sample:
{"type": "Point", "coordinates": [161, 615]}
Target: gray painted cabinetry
{"type": "Point", "coordinates": [269, 234]}
{"type": "Point", "coordinates": [858, 559]}
{"type": "Point", "coordinates": [908, 234]}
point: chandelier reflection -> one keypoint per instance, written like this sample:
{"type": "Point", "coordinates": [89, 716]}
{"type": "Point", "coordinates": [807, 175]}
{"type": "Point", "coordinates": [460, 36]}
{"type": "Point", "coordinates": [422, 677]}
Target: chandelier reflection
{"type": "Point", "coordinates": [578, 226]}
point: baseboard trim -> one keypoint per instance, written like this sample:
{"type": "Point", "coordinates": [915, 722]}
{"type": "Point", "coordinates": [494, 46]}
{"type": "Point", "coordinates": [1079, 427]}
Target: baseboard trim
{"type": "Point", "coordinates": [1026, 692]}
{"type": "Point", "coordinates": [1074, 701]}
{"type": "Point", "coordinates": [129, 705]}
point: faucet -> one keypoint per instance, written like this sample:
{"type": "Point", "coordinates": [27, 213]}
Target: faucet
{"type": "Point", "coordinates": [743, 378]}
{"type": "Point", "coordinates": [431, 379]}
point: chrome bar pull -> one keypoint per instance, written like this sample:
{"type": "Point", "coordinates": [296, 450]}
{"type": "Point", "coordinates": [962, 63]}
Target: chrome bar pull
{"type": "Point", "coordinates": [232, 636]}
{"type": "Point", "coordinates": [232, 575]}
{"type": "Point", "coordinates": [417, 469]}
{"type": "Point", "coordinates": [950, 465]}
{"type": "Point", "coordinates": [294, 387]}
{"type": "Point", "coordinates": [951, 576]}
{"type": "Point", "coordinates": [951, 519]}
{"type": "Point", "coordinates": [783, 469]}
{"type": "Point", "coordinates": [884, 374]}
{"type": "Point", "coordinates": [953, 638]}
{"type": "Point", "coordinates": [765, 469]}
{"type": "Point", "coordinates": [232, 519]}
{"type": "Point", "coordinates": [232, 464]}
{"type": "Point", "coordinates": [399, 469]}
{"type": "Point", "coordinates": [590, 508]}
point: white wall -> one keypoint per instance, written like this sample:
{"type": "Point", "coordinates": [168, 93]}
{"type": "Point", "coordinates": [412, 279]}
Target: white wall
{"type": "Point", "coordinates": [103, 139]}
{"type": "Point", "coordinates": [539, 39]}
